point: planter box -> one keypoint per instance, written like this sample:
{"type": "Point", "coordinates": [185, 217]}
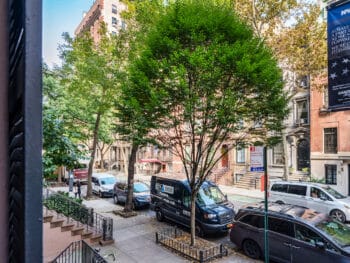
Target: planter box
{"type": "Point", "coordinates": [179, 241]}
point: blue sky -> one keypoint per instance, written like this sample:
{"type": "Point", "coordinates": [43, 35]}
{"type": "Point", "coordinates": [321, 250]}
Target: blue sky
{"type": "Point", "coordinates": [60, 16]}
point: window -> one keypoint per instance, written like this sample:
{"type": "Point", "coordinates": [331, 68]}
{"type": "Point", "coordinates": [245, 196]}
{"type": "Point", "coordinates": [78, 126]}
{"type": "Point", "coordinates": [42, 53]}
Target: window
{"type": "Point", "coordinates": [307, 235]}
{"type": "Point", "coordinates": [277, 154]}
{"type": "Point", "coordinates": [302, 111]}
{"type": "Point", "coordinates": [114, 21]}
{"type": "Point", "coordinates": [123, 25]}
{"type": "Point", "coordinates": [331, 174]}
{"type": "Point", "coordinates": [330, 140]}
{"type": "Point", "coordinates": [281, 226]}
{"type": "Point", "coordinates": [253, 220]}
{"type": "Point", "coordinates": [297, 189]}
{"type": "Point", "coordinates": [280, 188]}
{"type": "Point", "coordinates": [240, 154]}
{"type": "Point", "coordinates": [114, 9]}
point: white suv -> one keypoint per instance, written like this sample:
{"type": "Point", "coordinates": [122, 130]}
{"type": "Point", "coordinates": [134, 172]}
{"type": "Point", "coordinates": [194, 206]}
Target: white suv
{"type": "Point", "coordinates": [319, 197]}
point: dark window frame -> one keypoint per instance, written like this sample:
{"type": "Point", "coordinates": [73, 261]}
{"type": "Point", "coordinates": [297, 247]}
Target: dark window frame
{"type": "Point", "coordinates": [330, 172]}
{"type": "Point", "coordinates": [330, 143]}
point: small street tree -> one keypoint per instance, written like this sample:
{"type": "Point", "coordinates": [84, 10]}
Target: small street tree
{"type": "Point", "coordinates": [92, 72]}
{"type": "Point", "coordinates": [209, 81]}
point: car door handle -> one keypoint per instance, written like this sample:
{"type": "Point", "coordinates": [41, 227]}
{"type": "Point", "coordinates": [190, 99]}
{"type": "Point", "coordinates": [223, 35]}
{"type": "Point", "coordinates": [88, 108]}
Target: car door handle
{"type": "Point", "coordinates": [287, 244]}
{"type": "Point", "coordinates": [295, 247]}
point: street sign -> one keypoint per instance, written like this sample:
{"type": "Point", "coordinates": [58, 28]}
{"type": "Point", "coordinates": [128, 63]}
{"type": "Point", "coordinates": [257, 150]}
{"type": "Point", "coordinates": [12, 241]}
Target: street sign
{"type": "Point", "coordinates": [256, 158]}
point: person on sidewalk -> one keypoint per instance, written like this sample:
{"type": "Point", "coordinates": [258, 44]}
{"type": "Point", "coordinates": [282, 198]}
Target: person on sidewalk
{"type": "Point", "coordinates": [78, 189]}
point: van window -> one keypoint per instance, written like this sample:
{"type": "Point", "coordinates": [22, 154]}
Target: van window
{"type": "Point", "coordinates": [281, 226]}
{"type": "Point", "coordinates": [186, 198]}
{"type": "Point", "coordinates": [279, 188]}
{"type": "Point", "coordinates": [107, 180]}
{"type": "Point", "coordinates": [297, 189]}
{"type": "Point", "coordinates": [253, 220]}
{"type": "Point", "coordinates": [210, 195]}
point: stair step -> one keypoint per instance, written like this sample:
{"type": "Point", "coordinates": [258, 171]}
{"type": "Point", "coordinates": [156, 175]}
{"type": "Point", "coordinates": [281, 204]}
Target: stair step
{"type": "Point", "coordinates": [86, 234]}
{"type": "Point", "coordinates": [67, 227]}
{"type": "Point", "coordinates": [47, 218]}
{"type": "Point", "coordinates": [77, 230]}
{"type": "Point", "coordinates": [95, 238]}
{"type": "Point", "coordinates": [57, 222]}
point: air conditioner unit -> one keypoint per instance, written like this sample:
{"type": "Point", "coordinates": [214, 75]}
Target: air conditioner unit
{"type": "Point", "coordinates": [304, 82]}
{"type": "Point", "coordinates": [303, 121]}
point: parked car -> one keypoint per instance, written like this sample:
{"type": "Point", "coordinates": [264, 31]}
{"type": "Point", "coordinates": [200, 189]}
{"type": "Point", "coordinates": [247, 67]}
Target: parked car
{"type": "Point", "coordinates": [102, 184]}
{"type": "Point", "coordinates": [141, 194]}
{"type": "Point", "coordinates": [320, 197]}
{"type": "Point", "coordinates": [295, 234]}
{"type": "Point", "coordinates": [170, 199]}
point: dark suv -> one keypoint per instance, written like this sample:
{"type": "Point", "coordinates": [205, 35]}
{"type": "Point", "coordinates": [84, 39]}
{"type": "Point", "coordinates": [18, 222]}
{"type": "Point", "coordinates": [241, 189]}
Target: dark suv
{"type": "Point", "coordinates": [295, 234]}
{"type": "Point", "coordinates": [141, 195]}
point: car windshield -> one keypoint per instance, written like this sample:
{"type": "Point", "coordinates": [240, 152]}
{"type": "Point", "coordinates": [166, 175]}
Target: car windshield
{"type": "Point", "coordinates": [333, 192]}
{"type": "Point", "coordinates": [210, 195]}
{"type": "Point", "coordinates": [139, 188]}
{"type": "Point", "coordinates": [107, 180]}
{"type": "Point", "coordinates": [339, 232]}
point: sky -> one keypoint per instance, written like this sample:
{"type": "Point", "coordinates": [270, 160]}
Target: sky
{"type": "Point", "coordinates": [60, 16]}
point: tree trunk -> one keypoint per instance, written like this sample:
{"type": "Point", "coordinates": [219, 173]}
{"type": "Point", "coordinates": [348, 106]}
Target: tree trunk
{"type": "Point", "coordinates": [92, 157]}
{"type": "Point", "coordinates": [131, 171]}
{"type": "Point", "coordinates": [59, 174]}
{"type": "Point", "coordinates": [125, 159]}
{"type": "Point", "coordinates": [193, 219]}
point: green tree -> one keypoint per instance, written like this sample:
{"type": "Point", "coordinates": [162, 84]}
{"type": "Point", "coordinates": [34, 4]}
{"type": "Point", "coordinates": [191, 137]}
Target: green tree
{"type": "Point", "coordinates": [208, 80]}
{"type": "Point", "coordinates": [134, 118]}
{"type": "Point", "coordinates": [58, 148]}
{"type": "Point", "coordinates": [92, 73]}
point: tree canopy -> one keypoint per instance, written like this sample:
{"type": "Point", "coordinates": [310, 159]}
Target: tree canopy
{"type": "Point", "coordinates": [209, 80]}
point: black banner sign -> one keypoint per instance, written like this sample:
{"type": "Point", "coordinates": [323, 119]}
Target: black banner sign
{"type": "Point", "coordinates": [339, 56]}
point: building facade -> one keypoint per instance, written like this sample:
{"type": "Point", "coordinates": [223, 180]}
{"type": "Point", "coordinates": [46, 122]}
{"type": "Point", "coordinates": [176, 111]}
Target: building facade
{"type": "Point", "coordinates": [330, 143]}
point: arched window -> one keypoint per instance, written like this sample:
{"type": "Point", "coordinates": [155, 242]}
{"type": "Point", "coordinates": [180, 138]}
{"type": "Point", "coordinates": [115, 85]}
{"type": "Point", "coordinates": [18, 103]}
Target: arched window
{"type": "Point", "coordinates": [303, 149]}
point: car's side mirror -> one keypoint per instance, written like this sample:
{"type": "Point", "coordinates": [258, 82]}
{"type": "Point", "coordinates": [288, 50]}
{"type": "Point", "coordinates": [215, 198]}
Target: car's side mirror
{"type": "Point", "coordinates": [320, 245]}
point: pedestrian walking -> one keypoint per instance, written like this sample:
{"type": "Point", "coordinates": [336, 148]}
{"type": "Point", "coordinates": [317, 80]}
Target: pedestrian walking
{"type": "Point", "coordinates": [78, 189]}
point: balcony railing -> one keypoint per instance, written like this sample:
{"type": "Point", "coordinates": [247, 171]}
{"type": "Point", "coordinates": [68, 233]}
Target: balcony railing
{"type": "Point", "coordinates": [74, 212]}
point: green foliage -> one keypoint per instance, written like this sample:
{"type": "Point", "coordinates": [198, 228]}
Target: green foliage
{"type": "Point", "coordinates": [203, 79]}
{"type": "Point", "coordinates": [68, 206]}
{"type": "Point", "coordinates": [58, 147]}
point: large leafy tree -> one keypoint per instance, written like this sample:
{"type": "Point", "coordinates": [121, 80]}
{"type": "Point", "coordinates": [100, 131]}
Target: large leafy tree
{"type": "Point", "coordinates": [58, 147]}
{"type": "Point", "coordinates": [208, 80]}
{"type": "Point", "coordinates": [136, 118]}
{"type": "Point", "coordinates": [92, 73]}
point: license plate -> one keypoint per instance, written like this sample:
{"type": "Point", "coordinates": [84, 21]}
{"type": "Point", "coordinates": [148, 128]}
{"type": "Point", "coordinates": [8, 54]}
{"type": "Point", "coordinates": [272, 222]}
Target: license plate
{"type": "Point", "coordinates": [229, 225]}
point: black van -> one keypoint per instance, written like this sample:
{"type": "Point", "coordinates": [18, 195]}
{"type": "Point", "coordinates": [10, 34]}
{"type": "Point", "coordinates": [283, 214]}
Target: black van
{"type": "Point", "coordinates": [170, 199]}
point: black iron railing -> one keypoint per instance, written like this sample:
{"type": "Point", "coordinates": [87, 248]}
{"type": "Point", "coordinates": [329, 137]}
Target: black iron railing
{"type": "Point", "coordinates": [168, 238]}
{"type": "Point", "coordinates": [79, 252]}
{"type": "Point", "coordinates": [75, 212]}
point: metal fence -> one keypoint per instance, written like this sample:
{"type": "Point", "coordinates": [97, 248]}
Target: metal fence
{"type": "Point", "coordinates": [79, 252]}
{"type": "Point", "coordinates": [74, 212]}
{"type": "Point", "coordinates": [168, 238]}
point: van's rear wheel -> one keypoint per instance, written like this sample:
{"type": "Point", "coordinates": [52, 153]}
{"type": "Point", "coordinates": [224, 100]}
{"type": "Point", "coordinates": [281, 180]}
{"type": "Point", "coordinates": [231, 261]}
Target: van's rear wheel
{"type": "Point", "coordinates": [338, 215]}
{"type": "Point", "coordinates": [251, 249]}
{"type": "Point", "coordinates": [159, 215]}
{"type": "Point", "coordinates": [280, 202]}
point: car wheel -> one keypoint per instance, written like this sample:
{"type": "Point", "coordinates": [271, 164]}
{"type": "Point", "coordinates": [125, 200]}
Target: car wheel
{"type": "Point", "coordinates": [280, 202]}
{"type": "Point", "coordinates": [199, 231]}
{"type": "Point", "coordinates": [338, 215]}
{"type": "Point", "coordinates": [116, 200]}
{"type": "Point", "coordinates": [100, 194]}
{"type": "Point", "coordinates": [159, 215]}
{"type": "Point", "coordinates": [251, 249]}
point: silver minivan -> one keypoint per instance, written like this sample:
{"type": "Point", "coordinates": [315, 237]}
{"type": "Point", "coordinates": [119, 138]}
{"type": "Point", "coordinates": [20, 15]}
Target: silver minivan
{"type": "Point", "coordinates": [319, 197]}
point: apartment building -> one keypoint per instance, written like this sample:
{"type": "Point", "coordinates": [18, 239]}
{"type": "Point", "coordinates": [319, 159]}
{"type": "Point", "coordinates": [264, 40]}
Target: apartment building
{"type": "Point", "coordinates": [108, 11]}
{"type": "Point", "coordinates": [330, 143]}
